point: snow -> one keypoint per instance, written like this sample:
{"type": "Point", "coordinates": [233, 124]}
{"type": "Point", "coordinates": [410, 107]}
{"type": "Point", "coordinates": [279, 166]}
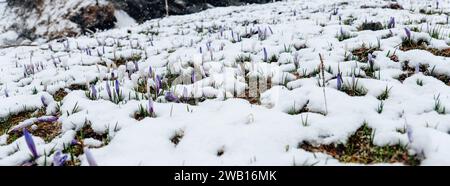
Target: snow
{"type": "Point", "coordinates": [246, 133]}
{"type": "Point", "coordinates": [123, 19]}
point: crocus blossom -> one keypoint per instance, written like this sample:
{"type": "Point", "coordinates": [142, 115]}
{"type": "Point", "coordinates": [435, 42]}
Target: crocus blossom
{"type": "Point", "coordinates": [408, 33]}
{"type": "Point", "coordinates": [339, 81]}
{"type": "Point", "coordinates": [265, 54]}
{"type": "Point", "coordinates": [59, 159]}
{"type": "Point", "coordinates": [171, 97]}
{"type": "Point", "coordinates": [43, 101]}
{"type": "Point", "coordinates": [117, 87]}
{"type": "Point", "coordinates": [158, 83]}
{"type": "Point", "coordinates": [150, 106]}
{"type": "Point", "coordinates": [391, 23]}
{"type": "Point", "coordinates": [47, 119]}
{"type": "Point", "coordinates": [30, 142]}
{"type": "Point", "coordinates": [193, 77]}
{"type": "Point", "coordinates": [150, 71]}
{"type": "Point", "coordinates": [108, 89]}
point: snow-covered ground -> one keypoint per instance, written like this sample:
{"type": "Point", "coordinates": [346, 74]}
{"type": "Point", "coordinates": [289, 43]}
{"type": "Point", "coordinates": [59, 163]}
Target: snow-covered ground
{"type": "Point", "coordinates": [112, 84]}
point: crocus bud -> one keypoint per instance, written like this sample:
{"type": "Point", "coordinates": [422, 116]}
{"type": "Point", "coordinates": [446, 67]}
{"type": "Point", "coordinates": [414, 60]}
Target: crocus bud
{"type": "Point", "coordinates": [408, 33]}
{"type": "Point", "coordinates": [59, 159]}
{"type": "Point", "coordinates": [30, 142]}
{"type": "Point", "coordinates": [171, 97]}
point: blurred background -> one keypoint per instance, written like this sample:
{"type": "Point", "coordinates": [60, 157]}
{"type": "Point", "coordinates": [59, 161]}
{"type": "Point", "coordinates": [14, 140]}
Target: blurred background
{"type": "Point", "coordinates": [23, 22]}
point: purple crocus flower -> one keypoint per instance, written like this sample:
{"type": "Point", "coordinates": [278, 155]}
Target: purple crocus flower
{"type": "Point", "coordinates": [417, 69]}
{"type": "Point", "coordinates": [108, 89]}
{"type": "Point", "coordinates": [201, 50]}
{"type": "Point", "coordinates": [193, 76]}
{"type": "Point", "coordinates": [89, 157]}
{"type": "Point", "coordinates": [171, 97]}
{"type": "Point", "coordinates": [408, 33]}
{"type": "Point", "coordinates": [265, 54]}
{"type": "Point", "coordinates": [150, 71]}
{"type": "Point", "coordinates": [409, 132]}
{"type": "Point", "coordinates": [30, 142]}
{"type": "Point", "coordinates": [150, 106]}
{"type": "Point", "coordinates": [74, 142]}
{"type": "Point", "coordinates": [47, 119]}
{"type": "Point", "coordinates": [59, 159]}
{"type": "Point", "coordinates": [339, 81]}
{"type": "Point", "coordinates": [158, 83]}
{"type": "Point", "coordinates": [117, 87]}
{"type": "Point", "coordinates": [391, 23]}
{"type": "Point", "coordinates": [93, 92]}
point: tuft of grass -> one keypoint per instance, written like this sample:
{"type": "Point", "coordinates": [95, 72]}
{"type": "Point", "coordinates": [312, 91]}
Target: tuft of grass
{"type": "Point", "coordinates": [287, 48]}
{"type": "Point", "coordinates": [360, 149]}
{"type": "Point", "coordinates": [343, 36]}
{"type": "Point", "coordinates": [296, 111]}
{"type": "Point", "coordinates": [354, 89]}
{"type": "Point", "coordinates": [273, 58]}
{"type": "Point", "coordinates": [176, 138]}
{"type": "Point", "coordinates": [435, 32]}
{"type": "Point", "coordinates": [349, 20]}
{"type": "Point", "coordinates": [419, 82]}
{"type": "Point", "coordinates": [305, 121]}
{"type": "Point", "coordinates": [380, 107]}
{"type": "Point", "coordinates": [374, 26]}
{"type": "Point", "coordinates": [243, 58]}
{"type": "Point", "coordinates": [143, 113]}
{"type": "Point", "coordinates": [34, 91]}
{"type": "Point", "coordinates": [438, 107]}
{"type": "Point", "coordinates": [385, 94]}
